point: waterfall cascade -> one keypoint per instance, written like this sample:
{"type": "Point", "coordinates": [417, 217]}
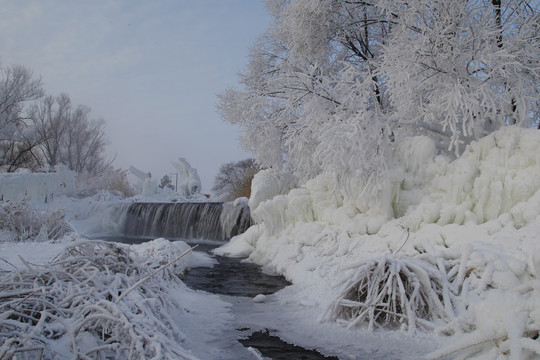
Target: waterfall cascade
{"type": "Point", "coordinates": [206, 220]}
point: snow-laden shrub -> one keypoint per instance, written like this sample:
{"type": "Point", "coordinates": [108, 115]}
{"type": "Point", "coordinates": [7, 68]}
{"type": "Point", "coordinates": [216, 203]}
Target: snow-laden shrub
{"type": "Point", "coordinates": [267, 184]}
{"type": "Point", "coordinates": [89, 303]}
{"type": "Point", "coordinates": [392, 291]}
{"type": "Point", "coordinates": [112, 180]}
{"type": "Point", "coordinates": [504, 325]}
{"type": "Point", "coordinates": [160, 252]}
{"type": "Point", "coordinates": [27, 223]}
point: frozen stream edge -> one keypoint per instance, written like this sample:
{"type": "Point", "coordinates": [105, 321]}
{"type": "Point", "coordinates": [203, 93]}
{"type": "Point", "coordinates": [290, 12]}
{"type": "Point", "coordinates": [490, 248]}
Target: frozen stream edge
{"type": "Point", "coordinates": [296, 322]}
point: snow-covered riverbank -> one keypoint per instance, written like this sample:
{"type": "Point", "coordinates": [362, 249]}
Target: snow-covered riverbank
{"type": "Point", "coordinates": [202, 325]}
{"type": "Point", "coordinates": [453, 248]}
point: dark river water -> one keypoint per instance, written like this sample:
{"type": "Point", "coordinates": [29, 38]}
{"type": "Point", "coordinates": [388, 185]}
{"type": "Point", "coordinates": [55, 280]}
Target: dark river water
{"type": "Point", "coordinates": [235, 277]}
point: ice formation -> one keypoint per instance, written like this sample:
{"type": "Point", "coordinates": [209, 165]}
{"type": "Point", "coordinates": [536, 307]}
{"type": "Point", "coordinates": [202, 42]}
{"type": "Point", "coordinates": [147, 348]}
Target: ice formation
{"type": "Point", "coordinates": [189, 183]}
{"type": "Point", "coordinates": [465, 234]}
{"type": "Point", "coordinates": [267, 184]}
{"type": "Point", "coordinates": [40, 187]}
{"type": "Point", "coordinates": [145, 186]}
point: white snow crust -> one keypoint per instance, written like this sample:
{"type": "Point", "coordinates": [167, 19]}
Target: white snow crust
{"type": "Point", "coordinates": [39, 187]}
{"type": "Point", "coordinates": [472, 225]}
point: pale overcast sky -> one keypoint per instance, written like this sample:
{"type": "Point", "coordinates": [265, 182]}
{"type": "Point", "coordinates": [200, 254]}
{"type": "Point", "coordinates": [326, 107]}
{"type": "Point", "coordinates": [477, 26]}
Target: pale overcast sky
{"type": "Point", "coordinates": [151, 69]}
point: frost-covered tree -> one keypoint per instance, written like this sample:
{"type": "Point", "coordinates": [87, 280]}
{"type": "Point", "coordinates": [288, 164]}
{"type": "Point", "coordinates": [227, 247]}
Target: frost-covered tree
{"type": "Point", "coordinates": [310, 99]}
{"type": "Point", "coordinates": [459, 70]}
{"type": "Point", "coordinates": [334, 86]}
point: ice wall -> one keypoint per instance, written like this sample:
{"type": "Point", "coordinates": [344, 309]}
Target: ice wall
{"type": "Point", "coordinates": [491, 178]}
{"type": "Point", "coordinates": [39, 187]}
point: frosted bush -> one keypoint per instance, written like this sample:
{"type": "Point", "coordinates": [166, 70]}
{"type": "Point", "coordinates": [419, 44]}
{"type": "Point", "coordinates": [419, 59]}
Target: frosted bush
{"type": "Point", "coordinates": [111, 180]}
{"type": "Point", "coordinates": [268, 183]}
{"type": "Point", "coordinates": [391, 291]}
{"type": "Point", "coordinates": [504, 325]}
{"type": "Point", "coordinates": [89, 303]}
{"type": "Point", "coordinates": [159, 252]}
{"type": "Point", "coordinates": [27, 223]}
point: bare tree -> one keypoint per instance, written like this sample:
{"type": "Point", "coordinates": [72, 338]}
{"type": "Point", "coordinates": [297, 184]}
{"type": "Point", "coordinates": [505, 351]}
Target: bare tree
{"type": "Point", "coordinates": [17, 141]}
{"type": "Point", "coordinates": [21, 153]}
{"type": "Point", "coordinates": [17, 88]}
{"type": "Point", "coordinates": [85, 143]}
{"type": "Point", "coordinates": [50, 117]}
{"type": "Point", "coordinates": [166, 182]}
{"type": "Point", "coordinates": [234, 179]}
{"type": "Point", "coordinates": [69, 136]}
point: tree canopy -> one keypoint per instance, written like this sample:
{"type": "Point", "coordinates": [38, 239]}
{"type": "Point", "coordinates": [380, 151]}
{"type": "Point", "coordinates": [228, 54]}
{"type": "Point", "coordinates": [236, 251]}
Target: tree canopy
{"type": "Point", "coordinates": [337, 85]}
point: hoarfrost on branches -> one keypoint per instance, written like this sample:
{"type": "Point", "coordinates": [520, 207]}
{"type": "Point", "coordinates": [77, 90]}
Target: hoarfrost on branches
{"type": "Point", "coordinates": [461, 70]}
{"type": "Point", "coordinates": [81, 301]}
{"type": "Point", "coordinates": [27, 223]}
{"type": "Point", "coordinates": [341, 95]}
{"type": "Point", "coordinates": [392, 291]}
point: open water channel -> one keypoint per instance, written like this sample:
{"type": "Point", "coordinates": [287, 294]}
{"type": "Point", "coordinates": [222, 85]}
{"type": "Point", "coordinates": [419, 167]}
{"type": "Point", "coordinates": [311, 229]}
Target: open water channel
{"type": "Point", "coordinates": [234, 278]}
{"type": "Point", "coordinates": [259, 325]}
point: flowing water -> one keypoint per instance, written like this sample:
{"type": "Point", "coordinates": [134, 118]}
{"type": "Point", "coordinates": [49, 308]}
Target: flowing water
{"type": "Point", "coordinates": [237, 278]}
{"type": "Point", "coordinates": [229, 277]}
{"type": "Point", "coordinates": [207, 220]}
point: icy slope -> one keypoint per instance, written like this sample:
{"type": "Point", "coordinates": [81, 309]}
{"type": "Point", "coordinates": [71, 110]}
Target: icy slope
{"type": "Point", "coordinates": [453, 247]}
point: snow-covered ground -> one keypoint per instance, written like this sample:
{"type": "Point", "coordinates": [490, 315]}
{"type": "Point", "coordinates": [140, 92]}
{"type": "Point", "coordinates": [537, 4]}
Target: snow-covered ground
{"type": "Point", "coordinates": [446, 264]}
{"type": "Point", "coordinates": [453, 248]}
{"type": "Point", "coordinates": [208, 325]}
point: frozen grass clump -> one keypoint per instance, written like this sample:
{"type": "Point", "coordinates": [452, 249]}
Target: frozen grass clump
{"type": "Point", "coordinates": [92, 302]}
{"type": "Point", "coordinates": [391, 291]}
{"type": "Point", "coordinates": [25, 222]}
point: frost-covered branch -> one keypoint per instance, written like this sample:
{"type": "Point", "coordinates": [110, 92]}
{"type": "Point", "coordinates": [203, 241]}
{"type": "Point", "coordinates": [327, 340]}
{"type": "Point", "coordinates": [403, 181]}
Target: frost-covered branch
{"type": "Point", "coordinates": [75, 300]}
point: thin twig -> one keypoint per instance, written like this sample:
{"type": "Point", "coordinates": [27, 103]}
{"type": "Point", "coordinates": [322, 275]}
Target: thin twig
{"type": "Point", "coordinates": [143, 280]}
